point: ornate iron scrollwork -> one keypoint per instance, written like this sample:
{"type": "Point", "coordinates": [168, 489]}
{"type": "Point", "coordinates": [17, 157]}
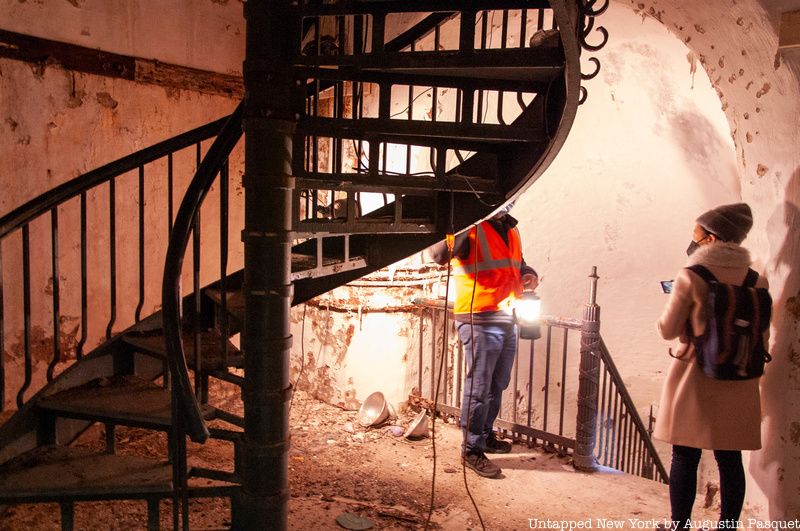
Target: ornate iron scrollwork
{"type": "Point", "coordinates": [588, 13]}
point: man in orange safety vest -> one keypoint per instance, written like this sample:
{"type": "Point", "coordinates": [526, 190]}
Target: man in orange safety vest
{"type": "Point", "coordinates": [490, 275]}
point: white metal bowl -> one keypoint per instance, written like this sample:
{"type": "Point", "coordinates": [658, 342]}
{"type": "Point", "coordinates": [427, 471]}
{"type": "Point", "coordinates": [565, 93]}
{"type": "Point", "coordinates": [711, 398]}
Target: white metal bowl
{"type": "Point", "coordinates": [418, 427]}
{"type": "Point", "coordinates": [374, 410]}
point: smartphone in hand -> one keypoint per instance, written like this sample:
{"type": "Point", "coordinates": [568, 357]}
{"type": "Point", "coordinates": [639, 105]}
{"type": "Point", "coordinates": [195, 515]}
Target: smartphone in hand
{"type": "Point", "coordinates": [666, 286]}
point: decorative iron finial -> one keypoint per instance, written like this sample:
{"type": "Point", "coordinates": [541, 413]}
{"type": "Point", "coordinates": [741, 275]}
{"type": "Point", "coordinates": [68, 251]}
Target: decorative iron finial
{"type": "Point", "coordinates": [586, 26]}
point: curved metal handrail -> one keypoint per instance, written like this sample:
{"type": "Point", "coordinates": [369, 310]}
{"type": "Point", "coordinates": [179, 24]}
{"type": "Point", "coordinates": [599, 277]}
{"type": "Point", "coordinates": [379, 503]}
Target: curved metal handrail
{"type": "Point", "coordinates": [73, 188]}
{"type": "Point", "coordinates": [201, 183]}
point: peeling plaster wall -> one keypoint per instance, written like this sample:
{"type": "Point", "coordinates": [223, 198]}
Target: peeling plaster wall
{"type": "Point", "coordinates": [668, 131]}
{"type": "Point", "coordinates": [760, 94]}
{"type": "Point", "coordinates": [55, 125]}
{"type": "Point", "coordinates": [204, 34]}
{"type": "Point", "coordinates": [365, 337]}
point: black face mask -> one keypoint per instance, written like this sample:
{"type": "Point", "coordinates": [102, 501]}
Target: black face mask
{"type": "Point", "coordinates": [692, 248]}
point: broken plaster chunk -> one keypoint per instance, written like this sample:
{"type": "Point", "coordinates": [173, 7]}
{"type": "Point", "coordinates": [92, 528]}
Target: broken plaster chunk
{"type": "Point", "coordinates": [763, 90]}
{"type": "Point", "coordinates": [105, 99]}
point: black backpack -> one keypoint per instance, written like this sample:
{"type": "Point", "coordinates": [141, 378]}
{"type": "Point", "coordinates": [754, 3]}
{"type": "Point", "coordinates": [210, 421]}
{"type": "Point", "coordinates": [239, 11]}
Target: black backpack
{"type": "Point", "coordinates": [732, 346]}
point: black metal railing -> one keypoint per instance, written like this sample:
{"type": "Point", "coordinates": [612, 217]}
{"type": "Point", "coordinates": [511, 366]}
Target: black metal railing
{"type": "Point", "coordinates": [623, 441]}
{"type": "Point", "coordinates": [66, 244]}
{"type": "Point", "coordinates": [186, 226]}
{"type": "Point", "coordinates": [363, 127]}
{"type": "Point", "coordinates": [541, 405]}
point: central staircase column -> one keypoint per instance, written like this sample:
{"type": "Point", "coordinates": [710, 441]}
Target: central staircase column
{"type": "Point", "coordinates": [269, 123]}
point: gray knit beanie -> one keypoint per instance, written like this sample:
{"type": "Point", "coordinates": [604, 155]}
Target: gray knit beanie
{"type": "Point", "coordinates": [730, 223]}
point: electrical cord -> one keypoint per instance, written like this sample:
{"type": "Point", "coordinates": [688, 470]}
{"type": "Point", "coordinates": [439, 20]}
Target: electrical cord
{"type": "Point", "coordinates": [450, 238]}
{"type": "Point", "coordinates": [411, 102]}
{"type": "Point", "coordinates": [450, 247]}
{"type": "Point", "coordinates": [469, 397]}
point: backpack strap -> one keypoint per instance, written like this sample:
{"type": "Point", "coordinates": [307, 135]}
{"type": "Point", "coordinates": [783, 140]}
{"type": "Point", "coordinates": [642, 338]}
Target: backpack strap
{"type": "Point", "coordinates": [751, 279]}
{"type": "Point", "coordinates": [703, 272]}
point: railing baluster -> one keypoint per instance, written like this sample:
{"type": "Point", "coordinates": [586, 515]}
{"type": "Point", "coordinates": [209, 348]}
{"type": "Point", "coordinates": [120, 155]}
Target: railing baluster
{"type": "Point", "coordinates": [628, 442]}
{"type": "Point", "coordinates": [563, 381]}
{"type": "Point", "coordinates": [484, 28]}
{"type": "Point", "coordinates": [516, 383]}
{"type": "Point", "coordinates": [170, 193]}
{"type": "Point", "coordinates": [639, 452]}
{"type": "Point", "coordinates": [223, 256]}
{"type": "Point", "coordinates": [26, 310]}
{"type": "Point", "coordinates": [611, 423]}
{"type": "Point", "coordinates": [433, 355]}
{"type": "Point", "coordinates": [84, 282]}
{"type": "Point", "coordinates": [199, 388]}
{"type": "Point", "coordinates": [547, 378]}
{"type": "Point", "coordinates": [500, 119]}
{"type": "Point", "coordinates": [504, 30]}
{"type": "Point", "coordinates": [421, 366]}
{"type": "Point", "coordinates": [56, 294]}
{"type": "Point", "coordinates": [618, 429]}
{"type": "Point", "coordinates": [626, 451]}
{"type": "Point", "coordinates": [523, 27]}
{"type": "Point", "coordinates": [140, 305]}
{"type": "Point", "coordinates": [628, 439]}
{"type": "Point", "coordinates": [165, 379]}
{"type": "Point", "coordinates": [410, 117]}
{"type": "Point", "coordinates": [2, 337]}
{"type": "Point", "coordinates": [602, 435]}
{"type": "Point", "coordinates": [530, 384]}
{"type": "Point", "coordinates": [112, 253]}
{"type": "Point", "coordinates": [614, 429]}
{"type": "Point", "coordinates": [623, 444]}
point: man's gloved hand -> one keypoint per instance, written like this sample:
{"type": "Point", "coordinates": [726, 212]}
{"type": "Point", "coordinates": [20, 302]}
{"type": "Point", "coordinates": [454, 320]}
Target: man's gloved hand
{"type": "Point", "coordinates": [530, 281]}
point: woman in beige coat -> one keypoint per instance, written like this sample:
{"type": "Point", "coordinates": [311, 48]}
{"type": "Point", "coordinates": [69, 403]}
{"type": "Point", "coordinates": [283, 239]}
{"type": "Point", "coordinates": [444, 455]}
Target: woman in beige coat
{"type": "Point", "coordinates": [697, 411]}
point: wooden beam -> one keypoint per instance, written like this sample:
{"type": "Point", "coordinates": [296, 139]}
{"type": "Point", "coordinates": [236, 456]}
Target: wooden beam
{"type": "Point", "coordinates": [101, 63]}
{"type": "Point", "coordinates": [789, 35]}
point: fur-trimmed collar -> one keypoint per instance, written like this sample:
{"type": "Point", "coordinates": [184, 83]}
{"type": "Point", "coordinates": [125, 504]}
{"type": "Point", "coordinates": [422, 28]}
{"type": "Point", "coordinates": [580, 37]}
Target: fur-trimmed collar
{"type": "Point", "coordinates": [721, 254]}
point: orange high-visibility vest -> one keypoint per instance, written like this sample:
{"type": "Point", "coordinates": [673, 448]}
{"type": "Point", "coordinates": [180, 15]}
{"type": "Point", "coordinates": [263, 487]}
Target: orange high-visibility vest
{"type": "Point", "coordinates": [497, 266]}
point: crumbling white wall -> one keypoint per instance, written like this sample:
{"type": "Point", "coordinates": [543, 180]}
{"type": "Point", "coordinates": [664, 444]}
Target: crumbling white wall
{"type": "Point", "coordinates": [669, 130]}
{"type": "Point", "coordinates": [205, 34]}
{"type": "Point", "coordinates": [57, 124]}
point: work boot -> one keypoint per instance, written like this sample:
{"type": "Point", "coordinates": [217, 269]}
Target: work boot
{"type": "Point", "coordinates": [496, 446]}
{"type": "Point", "coordinates": [477, 461]}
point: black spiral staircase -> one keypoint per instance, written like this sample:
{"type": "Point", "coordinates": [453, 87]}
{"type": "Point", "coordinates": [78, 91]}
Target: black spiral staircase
{"type": "Point", "coordinates": [372, 128]}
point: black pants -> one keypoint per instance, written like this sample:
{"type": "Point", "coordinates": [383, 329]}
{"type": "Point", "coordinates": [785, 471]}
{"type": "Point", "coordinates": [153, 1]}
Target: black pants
{"type": "Point", "coordinates": [683, 485]}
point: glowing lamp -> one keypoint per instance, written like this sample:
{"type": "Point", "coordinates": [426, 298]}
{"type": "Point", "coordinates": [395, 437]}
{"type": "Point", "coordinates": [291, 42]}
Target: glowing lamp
{"type": "Point", "coordinates": [527, 311]}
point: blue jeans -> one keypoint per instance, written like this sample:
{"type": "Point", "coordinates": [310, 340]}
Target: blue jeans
{"type": "Point", "coordinates": [489, 363]}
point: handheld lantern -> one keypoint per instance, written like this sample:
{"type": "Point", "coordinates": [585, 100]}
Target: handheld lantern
{"type": "Point", "coordinates": [527, 311]}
